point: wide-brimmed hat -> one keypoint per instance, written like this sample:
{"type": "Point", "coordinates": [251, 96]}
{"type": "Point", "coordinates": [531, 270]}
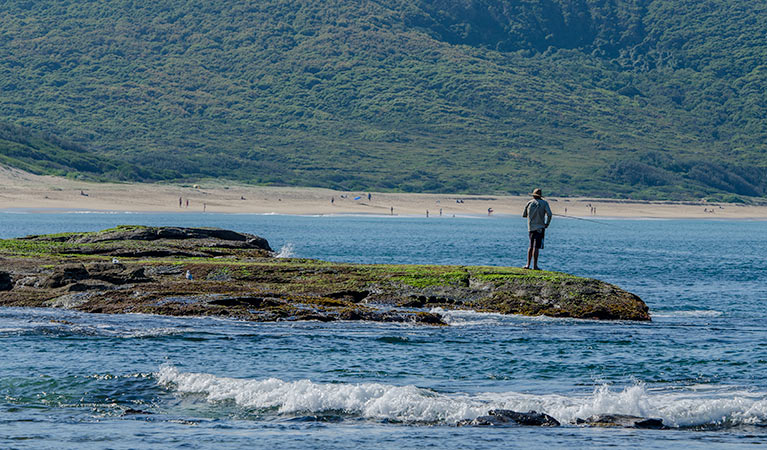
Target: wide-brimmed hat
{"type": "Point", "coordinates": [537, 193]}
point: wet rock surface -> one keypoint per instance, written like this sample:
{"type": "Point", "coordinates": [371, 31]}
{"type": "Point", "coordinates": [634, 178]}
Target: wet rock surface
{"type": "Point", "coordinates": [143, 270]}
{"type": "Point", "coordinates": [141, 241]}
{"type": "Point", "coordinates": [507, 417]}
{"type": "Point", "coordinates": [621, 421]}
{"type": "Point", "coordinates": [63, 275]}
{"type": "Point", "coordinates": [6, 283]}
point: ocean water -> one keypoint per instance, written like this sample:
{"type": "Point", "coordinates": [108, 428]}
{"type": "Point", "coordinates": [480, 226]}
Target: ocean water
{"type": "Point", "coordinates": [74, 380]}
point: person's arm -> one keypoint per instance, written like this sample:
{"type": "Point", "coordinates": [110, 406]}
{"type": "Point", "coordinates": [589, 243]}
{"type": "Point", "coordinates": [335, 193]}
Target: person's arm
{"type": "Point", "coordinates": [549, 215]}
{"type": "Point", "coordinates": [524, 214]}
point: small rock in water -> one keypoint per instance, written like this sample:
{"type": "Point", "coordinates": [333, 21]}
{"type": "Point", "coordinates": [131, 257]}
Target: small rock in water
{"type": "Point", "coordinates": [621, 420]}
{"type": "Point", "coordinates": [132, 411]}
{"type": "Point", "coordinates": [507, 417]}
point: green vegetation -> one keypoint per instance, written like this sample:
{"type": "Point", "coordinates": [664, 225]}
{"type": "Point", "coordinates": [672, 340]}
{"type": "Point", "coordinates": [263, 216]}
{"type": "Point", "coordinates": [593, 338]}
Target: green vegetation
{"type": "Point", "coordinates": [653, 99]}
{"type": "Point", "coordinates": [46, 154]}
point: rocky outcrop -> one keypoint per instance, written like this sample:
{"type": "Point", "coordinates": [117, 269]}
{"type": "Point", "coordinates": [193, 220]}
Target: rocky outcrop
{"type": "Point", "coordinates": [63, 275]}
{"type": "Point", "coordinates": [140, 241]}
{"type": "Point", "coordinates": [204, 271]}
{"type": "Point", "coordinates": [127, 233]}
{"type": "Point", "coordinates": [507, 417]}
{"type": "Point", "coordinates": [72, 274]}
{"type": "Point", "coordinates": [117, 273]}
{"type": "Point", "coordinates": [6, 283]}
{"type": "Point", "coordinates": [621, 421]}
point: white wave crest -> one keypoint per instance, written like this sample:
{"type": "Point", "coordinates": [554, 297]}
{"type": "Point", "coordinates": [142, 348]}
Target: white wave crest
{"type": "Point", "coordinates": [690, 313]}
{"type": "Point", "coordinates": [370, 400]}
{"type": "Point", "coordinates": [689, 407]}
{"type": "Point", "coordinates": [286, 251]}
{"type": "Point", "coordinates": [679, 409]}
{"type": "Point", "coordinates": [462, 317]}
{"type": "Point", "coordinates": [459, 317]}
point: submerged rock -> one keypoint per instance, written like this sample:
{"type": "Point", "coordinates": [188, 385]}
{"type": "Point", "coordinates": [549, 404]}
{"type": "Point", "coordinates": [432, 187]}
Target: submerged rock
{"type": "Point", "coordinates": [133, 412]}
{"type": "Point", "coordinates": [507, 417]}
{"type": "Point", "coordinates": [621, 421]}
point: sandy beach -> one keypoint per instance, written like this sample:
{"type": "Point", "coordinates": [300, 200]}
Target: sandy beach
{"type": "Point", "coordinates": [22, 190]}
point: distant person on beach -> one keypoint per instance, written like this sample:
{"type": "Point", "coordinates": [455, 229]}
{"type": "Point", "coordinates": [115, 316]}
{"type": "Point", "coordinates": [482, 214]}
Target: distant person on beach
{"type": "Point", "coordinates": [332, 200]}
{"type": "Point", "coordinates": [489, 211]}
{"type": "Point", "coordinates": [369, 196]}
{"type": "Point", "coordinates": [179, 202]}
{"type": "Point", "coordinates": [204, 207]}
{"type": "Point", "coordinates": [392, 210]}
{"type": "Point", "coordinates": [539, 216]}
{"type": "Point", "coordinates": [187, 203]}
{"type": "Point", "coordinates": [427, 213]}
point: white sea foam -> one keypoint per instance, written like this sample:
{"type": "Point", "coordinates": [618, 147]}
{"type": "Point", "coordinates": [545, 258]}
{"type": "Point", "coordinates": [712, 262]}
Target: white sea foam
{"type": "Point", "coordinates": [679, 409]}
{"type": "Point", "coordinates": [370, 400]}
{"type": "Point", "coordinates": [11, 330]}
{"type": "Point", "coordinates": [286, 251]}
{"type": "Point", "coordinates": [690, 313]}
{"type": "Point", "coordinates": [459, 317]}
{"type": "Point", "coordinates": [122, 332]}
{"type": "Point", "coordinates": [688, 407]}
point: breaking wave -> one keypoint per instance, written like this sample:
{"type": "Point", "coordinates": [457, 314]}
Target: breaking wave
{"type": "Point", "coordinates": [689, 313]}
{"type": "Point", "coordinates": [286, 251]}
{"type": "Point", "coordinates": [463, 317]}
{"type": "Point", "coordinates": [460, 317]}
{"type": "Point", "coordinates": [411, 404]}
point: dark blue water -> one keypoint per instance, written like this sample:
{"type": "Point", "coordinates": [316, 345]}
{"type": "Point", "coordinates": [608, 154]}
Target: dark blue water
{"type": "Point", "coordinates": [67, 379]}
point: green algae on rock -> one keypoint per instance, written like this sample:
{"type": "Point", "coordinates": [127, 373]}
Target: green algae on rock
{"type": "Point", "coordinates": [137, 269]}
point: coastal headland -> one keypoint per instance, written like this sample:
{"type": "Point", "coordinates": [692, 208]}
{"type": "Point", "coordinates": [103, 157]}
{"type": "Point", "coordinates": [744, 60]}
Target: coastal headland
{"type": "Point", "coordinates": [216, 272]}
{"type": "Point", "coordinates": [22, 190]}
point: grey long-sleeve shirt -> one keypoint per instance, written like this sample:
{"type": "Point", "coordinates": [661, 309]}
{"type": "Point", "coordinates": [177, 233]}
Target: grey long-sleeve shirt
{"type": "Point", "coordinates": [538, 214]}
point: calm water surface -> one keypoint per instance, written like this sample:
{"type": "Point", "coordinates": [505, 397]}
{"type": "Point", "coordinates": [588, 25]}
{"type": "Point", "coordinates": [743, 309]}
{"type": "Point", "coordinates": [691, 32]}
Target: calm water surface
{"type": "Point", "coordinates": [67, 379]}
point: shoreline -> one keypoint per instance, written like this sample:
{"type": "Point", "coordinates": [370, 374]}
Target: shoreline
{"type": "Point", "coordinates": [28, 193]}
{"type": "Point", "coordinates": [24, 210]}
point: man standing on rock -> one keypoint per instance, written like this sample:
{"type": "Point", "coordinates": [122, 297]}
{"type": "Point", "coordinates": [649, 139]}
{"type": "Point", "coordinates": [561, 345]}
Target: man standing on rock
{"type": "Point", "coordinates": [538, 215]}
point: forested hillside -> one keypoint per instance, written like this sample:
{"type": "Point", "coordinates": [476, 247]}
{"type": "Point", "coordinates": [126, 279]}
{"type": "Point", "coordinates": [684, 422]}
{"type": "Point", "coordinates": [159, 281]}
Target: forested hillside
{"type": "Point", "coordinates": [46, 154]}
{"type": "Point", "coordinates": [639, 98]}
